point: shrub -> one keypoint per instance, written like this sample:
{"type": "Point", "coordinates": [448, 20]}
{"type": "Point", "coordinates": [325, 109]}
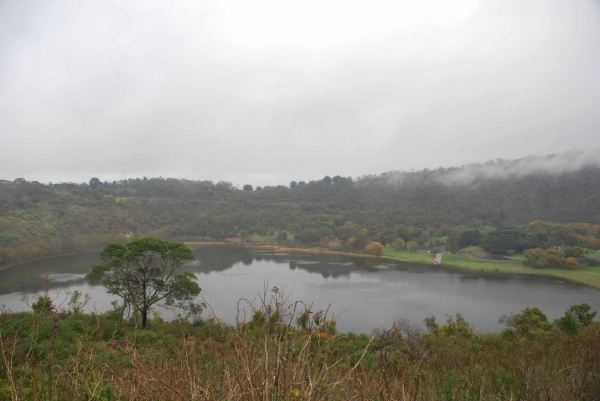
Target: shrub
{"type": "Point", "coordinates": [530, 322]}
{"type": "Point", "coordinates": [575, 317]}
{"type": "Point", "coordinates": [571, 263]}
{"type": "Point", "coordinates": [573, 251]}
{"type": "Point", "coordinates": [352, 242]}
{"type": "Point", "coordinates": [374, 248]}
{"type": "Point", "coordinates": [542, 259]}
{"type": "Point", "coordinates": [399, 244]}
{"type": "Point", "coordinates": [324, 243]}
{"type": "Point", "coordinates": [590, 261]}
{"type": "Point", "coordinates": [43, 304]}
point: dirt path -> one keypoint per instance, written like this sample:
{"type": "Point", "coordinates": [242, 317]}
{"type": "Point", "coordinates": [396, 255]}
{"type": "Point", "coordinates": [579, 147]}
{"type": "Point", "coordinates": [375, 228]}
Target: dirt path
{"type": "Point", "coordinates": [438, 259]}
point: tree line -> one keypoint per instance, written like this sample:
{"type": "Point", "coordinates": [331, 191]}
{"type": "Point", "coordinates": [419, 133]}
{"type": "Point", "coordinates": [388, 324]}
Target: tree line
{"type": "Point", "coordinates": [420, 208]}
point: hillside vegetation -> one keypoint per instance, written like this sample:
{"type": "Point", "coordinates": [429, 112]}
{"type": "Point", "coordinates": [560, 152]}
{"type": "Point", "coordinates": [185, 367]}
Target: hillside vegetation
{"type": "Point", "coordinates": [60, 353]}
{"type": "Point", "coordinates": [424, 208]}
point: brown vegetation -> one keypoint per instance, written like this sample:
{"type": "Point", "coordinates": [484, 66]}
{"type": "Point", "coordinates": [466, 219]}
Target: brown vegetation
{"type": "Point", "coordinates": [374, 248]}
{"type": "Point", "coordinates": [282, 355]}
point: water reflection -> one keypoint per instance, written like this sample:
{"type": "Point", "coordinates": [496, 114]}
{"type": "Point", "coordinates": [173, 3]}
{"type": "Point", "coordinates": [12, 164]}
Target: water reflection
{"type": "Point", "coordinates": [366, 290]}
{"type": "Point", "coordinates": [63, 272]}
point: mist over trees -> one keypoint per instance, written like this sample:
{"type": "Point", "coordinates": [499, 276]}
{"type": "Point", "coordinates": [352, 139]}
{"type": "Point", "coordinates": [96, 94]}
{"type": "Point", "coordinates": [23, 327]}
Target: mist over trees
{"type": "Point", "coordinates": [501, 214]}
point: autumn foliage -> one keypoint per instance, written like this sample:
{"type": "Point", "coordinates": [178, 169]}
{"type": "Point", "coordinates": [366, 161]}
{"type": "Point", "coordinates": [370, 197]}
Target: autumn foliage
{"type": "Point", "coordinates": [324, 242]}
{"type": "Point", "coordinates": [571, 263]}
{"type": "Point", "coordinates": [374, 248]}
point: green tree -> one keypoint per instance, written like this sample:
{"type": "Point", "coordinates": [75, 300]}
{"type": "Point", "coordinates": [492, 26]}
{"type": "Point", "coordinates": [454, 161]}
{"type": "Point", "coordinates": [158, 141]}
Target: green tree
{"type": "Point", "coordinates": [248, 188]}
{"type": "Point", "coordinates": [530, 322]}
{"type": "Point", "coordinates": [534, 240]}
{"type": "Point", "coordinates": [94, 183]}
{"type": "Point", "coordinates": [453, 328]}
{"type": "Point", "coordinates": [308, 236]}
{"type": "Point", "coordinates": [504, 239]}
{"type": "Point", "coordinates": [142, 273]}
{"type": "Point", "coordinates": [293, 184]}
{"type": "Point", "coordinates": [399, 244]}
{"type": "Point", "coordinates": [573, 251]}
{"type": "Point", "coordinates": [542, 259]}
{"type": "Point", "coordinates": [583, 313]}
{"type": "Point", "coordinates": [567, 323]}
{"type": "Point", "coordinates": [413, 246]}
{"type": "Point", "coordinates": [469, 238]}
{"type": "Point", "coordinates": [575, 317]}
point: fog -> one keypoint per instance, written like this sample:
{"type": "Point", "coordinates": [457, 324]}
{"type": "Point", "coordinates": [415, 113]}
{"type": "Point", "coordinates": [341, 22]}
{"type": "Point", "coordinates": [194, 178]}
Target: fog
{"type": "Point", "coordinates": [560, 163]}
{"type": "Point", "coordinates": [266, 92]}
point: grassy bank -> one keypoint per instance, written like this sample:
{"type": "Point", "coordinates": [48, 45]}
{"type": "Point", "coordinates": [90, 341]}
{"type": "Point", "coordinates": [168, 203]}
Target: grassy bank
{"type": "Point", "coordinates": [419, 257]}
{"type": "Point", "coordinates": [587, 275]}
{"type": "Point", "coordinates": [16, 265]}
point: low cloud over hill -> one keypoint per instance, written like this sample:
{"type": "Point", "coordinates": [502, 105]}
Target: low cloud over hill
{"type": "Point", "coordinates": [559, 163]}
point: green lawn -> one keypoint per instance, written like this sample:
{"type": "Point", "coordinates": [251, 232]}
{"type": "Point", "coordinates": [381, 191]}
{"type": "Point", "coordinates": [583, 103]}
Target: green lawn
{"type": "Point", "coordinates": [270, 239]}
{"type": "Point", "coordinates": [585, 274]}
{"type": "Point", "coordinates": [593, 254]}
{"type": "Point", "coordinates": [477, 264]}
{"type": "Point", "coordinates": [421, 257]}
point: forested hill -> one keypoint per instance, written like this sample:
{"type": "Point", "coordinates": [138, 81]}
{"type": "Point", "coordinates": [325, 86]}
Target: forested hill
{"type": "Point", "coordinates": [497, 194]}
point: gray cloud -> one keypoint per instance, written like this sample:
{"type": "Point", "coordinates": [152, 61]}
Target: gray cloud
{"type": "Point", "coordinates": [131, 88]}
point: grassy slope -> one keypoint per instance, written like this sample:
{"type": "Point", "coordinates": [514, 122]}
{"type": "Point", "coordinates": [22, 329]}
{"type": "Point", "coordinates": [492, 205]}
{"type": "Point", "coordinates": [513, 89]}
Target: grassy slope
{"type": "Point", "coordinates": [585, 274]}
{"type": "Point", "coordinates": [102, 357]}
{"type": "Point", "coordinates": [421, 257]}
{"type": "Point", "coordinates": [473, 252]}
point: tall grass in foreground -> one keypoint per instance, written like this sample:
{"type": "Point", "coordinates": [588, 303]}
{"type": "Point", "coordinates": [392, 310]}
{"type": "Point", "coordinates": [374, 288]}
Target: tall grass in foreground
{"type": "Point", "coordinates": [281, 350]}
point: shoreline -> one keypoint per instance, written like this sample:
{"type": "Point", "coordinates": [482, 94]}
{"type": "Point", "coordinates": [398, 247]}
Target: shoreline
{"type": "Point", "coordinates": [283, 249]}
{"type": "Point", "coordinates": [276, 248]}
{"type": "Point", "coordinates": [529, 273]}
{"type": "Point", "coordinates": [13, 265]}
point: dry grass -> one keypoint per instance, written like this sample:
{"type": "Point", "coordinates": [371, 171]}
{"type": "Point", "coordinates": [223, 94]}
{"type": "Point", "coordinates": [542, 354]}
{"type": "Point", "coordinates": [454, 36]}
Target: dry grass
{"type": "Point", "coordinates": [273, 355]}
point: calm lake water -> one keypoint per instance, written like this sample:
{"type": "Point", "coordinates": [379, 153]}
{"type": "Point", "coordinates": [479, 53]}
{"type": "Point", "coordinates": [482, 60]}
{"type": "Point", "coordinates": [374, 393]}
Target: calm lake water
{"type": "Point", "coordinates": [363, 292]}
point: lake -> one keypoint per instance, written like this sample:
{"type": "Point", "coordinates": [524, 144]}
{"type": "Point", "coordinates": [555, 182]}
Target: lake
{"type": "Point", "coordinates": [363, 293]}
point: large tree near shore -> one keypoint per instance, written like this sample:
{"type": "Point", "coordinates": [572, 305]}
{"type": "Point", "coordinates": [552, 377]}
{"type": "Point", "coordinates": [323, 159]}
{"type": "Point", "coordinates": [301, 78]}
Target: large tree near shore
{"type": "Point", "coordinates": [143, 273]}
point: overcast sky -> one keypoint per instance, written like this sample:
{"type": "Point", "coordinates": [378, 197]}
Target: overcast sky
{"type": "Point", "coordinates": [268, 91]}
